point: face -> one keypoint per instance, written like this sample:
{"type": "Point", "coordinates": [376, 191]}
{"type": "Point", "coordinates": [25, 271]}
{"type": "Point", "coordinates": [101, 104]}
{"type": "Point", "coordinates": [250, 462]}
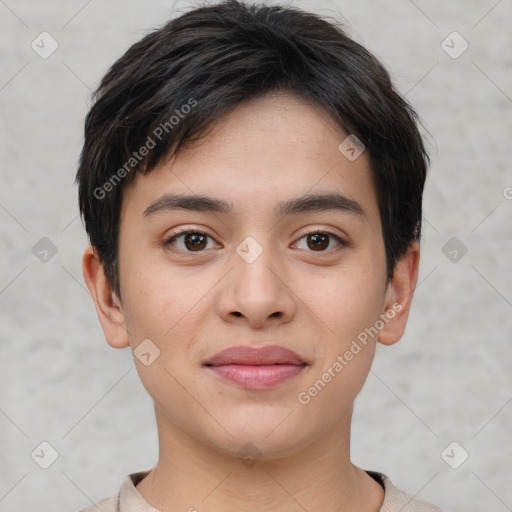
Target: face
{"type": "Point", "coordinates": [263, 265]}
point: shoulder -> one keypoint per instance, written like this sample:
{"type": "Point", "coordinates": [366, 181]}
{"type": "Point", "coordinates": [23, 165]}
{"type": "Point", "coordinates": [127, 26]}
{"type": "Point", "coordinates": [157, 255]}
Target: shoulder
{"type": "Point", "coordinates": [397, 500]}
{"type": "Point", "coordinates": [128, 499]}
{"type": "Point", "coordinates": [110, 504]}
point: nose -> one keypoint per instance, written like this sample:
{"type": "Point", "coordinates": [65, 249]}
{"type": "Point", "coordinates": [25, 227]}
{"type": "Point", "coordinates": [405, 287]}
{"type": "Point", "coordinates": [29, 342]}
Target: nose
{"type": "Point", "coordinates": [257, 293]}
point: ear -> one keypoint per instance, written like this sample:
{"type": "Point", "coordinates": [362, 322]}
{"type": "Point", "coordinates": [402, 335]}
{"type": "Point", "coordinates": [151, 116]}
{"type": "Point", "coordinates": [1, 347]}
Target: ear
{"type": "Point", "coordinates": [108, 306]}
{"type": "Point", "coordinates": [399, 293]}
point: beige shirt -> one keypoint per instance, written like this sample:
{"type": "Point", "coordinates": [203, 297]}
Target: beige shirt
{"type": "Point", "coordinates": [130, 500]}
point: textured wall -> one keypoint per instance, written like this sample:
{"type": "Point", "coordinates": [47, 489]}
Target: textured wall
{"type": "Point", "coordinates": [449, 379]}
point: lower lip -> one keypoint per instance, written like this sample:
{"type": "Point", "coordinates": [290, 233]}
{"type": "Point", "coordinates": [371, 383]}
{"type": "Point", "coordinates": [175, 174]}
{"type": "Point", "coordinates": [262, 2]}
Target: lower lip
{"type": "Point", "coordinates": [257, 377]}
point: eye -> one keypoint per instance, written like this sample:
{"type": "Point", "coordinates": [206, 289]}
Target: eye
{"type": "Point", "coordinates": [190, 240]}
{"type": "Point", "coordinates": [318, 241]}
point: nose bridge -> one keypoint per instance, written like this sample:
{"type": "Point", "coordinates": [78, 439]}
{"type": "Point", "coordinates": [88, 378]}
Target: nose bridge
{"type": "Point", "coordinates": [256, 287]}
{"type": "Point", "coordinates": [256, 265]}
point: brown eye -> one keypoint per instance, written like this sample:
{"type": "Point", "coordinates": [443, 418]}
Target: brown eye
{"type": "Point", "coordinates": [319, 241]}
{"type": "Point", "coordinates": [195, 241]}
{"type": "Point", "coordinates": [190, 241]}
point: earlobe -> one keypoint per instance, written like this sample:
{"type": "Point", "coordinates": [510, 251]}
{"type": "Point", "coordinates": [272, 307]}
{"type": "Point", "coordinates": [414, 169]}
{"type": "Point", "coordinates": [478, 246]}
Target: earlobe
{"type": "Point", "coordinates": [399, 295]}
{"type": "Point", "coordinates": [108, 308]}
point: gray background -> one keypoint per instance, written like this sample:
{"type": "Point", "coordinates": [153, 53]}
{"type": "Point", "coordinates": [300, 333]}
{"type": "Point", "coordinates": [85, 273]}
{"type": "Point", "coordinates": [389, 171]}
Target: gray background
{"type": "Point", "coordinates": [449, 379]}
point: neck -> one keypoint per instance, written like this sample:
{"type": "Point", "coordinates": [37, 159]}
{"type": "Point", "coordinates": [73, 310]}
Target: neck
{"type": "Point", "coordinates": [194, 476]}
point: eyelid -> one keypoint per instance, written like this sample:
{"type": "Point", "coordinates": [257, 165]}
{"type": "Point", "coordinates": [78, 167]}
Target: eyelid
{"type": "Point", "coordinates": [341, 240]}
{"type": "Point", "coordinates": [183, 231]}
{"type": "Point", "coordinates": [326, 229]}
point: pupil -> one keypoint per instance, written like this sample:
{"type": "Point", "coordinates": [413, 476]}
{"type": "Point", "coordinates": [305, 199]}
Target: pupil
{"type": "Point", "coordinates": [196, 240]}
{"type": "Point", "coordinates": [318, 241]}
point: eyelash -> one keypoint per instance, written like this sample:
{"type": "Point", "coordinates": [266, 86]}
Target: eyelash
{"type": "Point", "coordinates": [185, 231]}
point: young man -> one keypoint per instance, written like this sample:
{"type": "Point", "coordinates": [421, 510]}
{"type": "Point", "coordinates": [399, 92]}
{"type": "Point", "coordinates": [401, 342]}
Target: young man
{"type": "Point", "coordinates": [251, 184]}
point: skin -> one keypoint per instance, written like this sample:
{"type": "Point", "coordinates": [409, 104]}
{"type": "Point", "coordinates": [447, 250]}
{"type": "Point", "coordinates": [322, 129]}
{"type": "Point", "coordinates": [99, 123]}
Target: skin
{"type": "Point", "coordinates": [193, 304]}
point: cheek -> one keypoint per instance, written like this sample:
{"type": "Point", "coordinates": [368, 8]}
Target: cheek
{"type": "Point", "coordinates": [164, 304]}
{"type": "Point", "coordinates": [347, 301]}
{"type": "Point", "coordinates": [349, 305]}
{"type": "Point", "coordinates": [154, 308]}
{"type": "Point", "coordinates": [165, 308]}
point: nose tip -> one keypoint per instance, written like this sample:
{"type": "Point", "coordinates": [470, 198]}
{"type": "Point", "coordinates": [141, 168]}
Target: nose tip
{"type": "Point", "coordinates": [275, 314]}
{"type": "Point", "coordinates": [255, 291]}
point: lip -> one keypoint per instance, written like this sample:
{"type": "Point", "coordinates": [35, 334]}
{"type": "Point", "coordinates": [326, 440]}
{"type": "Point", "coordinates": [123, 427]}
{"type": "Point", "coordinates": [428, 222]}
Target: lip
{"type": "Point", "coordinates": [255, 356]}
{"type": "Point", "coordinates": [256, 367]}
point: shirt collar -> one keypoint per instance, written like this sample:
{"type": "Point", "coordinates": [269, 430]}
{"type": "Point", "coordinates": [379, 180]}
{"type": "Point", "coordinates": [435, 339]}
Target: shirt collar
{"type": "Point", "coordinates": [130, 500]}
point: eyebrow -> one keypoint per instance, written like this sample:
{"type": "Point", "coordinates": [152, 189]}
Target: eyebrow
{"type": "Point", "coordinates": [307, 203]}
{"type": "Point", "coordinates": [320, 202]}
{"type": "Point", "coordinates": [170, 202]}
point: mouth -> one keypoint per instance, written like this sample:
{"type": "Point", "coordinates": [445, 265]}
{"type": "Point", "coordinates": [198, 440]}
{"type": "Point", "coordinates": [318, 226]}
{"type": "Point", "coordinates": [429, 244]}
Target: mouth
{"type": "Point", "coordinates": [256, 367]}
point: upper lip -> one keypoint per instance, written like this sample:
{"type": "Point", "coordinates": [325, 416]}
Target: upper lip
{"type": "Point", "coordinates": [255, 356]}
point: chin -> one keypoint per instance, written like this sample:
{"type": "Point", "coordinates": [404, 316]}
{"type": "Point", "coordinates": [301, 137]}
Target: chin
{"type": "Point", "coordinates": [266, 440]}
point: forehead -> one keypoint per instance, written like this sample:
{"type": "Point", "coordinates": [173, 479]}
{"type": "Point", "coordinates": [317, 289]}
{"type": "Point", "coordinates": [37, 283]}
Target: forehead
{"type": "Point", "coordinates": [263, 151]}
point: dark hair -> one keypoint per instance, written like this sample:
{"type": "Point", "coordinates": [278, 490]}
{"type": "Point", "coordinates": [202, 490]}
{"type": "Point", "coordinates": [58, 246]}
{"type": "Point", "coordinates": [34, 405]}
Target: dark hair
{"type": "Point", "coordinates": [170, 86]}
